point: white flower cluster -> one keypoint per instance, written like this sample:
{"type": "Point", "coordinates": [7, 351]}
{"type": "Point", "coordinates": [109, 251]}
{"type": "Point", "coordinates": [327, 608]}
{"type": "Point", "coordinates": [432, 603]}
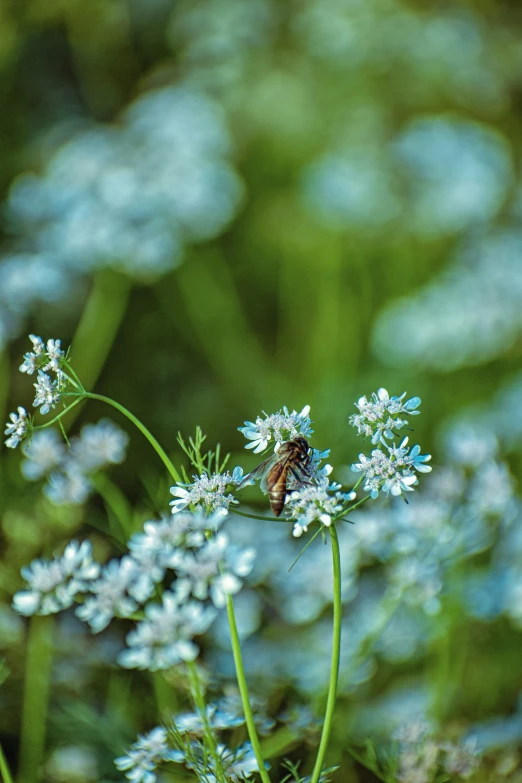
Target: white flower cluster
{"type": "Point", "coordinates": [53, 586]}
{"type": "Point", "coordinates": [207, 492]}
{"type": "Point", "coordinates": [205, 567]}
{"type": "Point", "coordinates": [16, 428]}
{"type": "Point", "coordinates": [69, 470]}
{"type": "Point", "coordinates": [392, 471]}
{"type": "Point", "coordinates": [278, 427]}
{"type": "Point", "coordinates": [315, 503]}
{"type": "Point", "coordinates": [44, 358]}
{"type": "Point", "coordinates": [421, 754]}
{"type": "Point", "coordinates": [143, 758]}
{"type": "Point", "coordinates": [378, 417]}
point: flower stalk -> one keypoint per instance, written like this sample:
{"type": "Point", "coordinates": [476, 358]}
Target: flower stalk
{"type": "Point", "coordinates": [243, 690]}
{"type": "Point", "coordinates": [336, 653]}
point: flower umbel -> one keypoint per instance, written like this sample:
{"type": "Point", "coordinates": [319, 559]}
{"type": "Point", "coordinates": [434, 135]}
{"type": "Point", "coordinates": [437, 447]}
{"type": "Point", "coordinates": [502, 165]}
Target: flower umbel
{"type": "Point", "coordinates": [315, 503]}
{"type": "Point", "coordinates": [54, 584]}
{"type": "Point", "coordinates": [392, 471]}
{"type": "Point", "coordinates": [207, 492]}
{"type": "Point", "coordinates": [16, 428]}
{"type": "Point", "coordinates": [143, 757]}
{"type": "Point", "coordinates": [379, 418]}
{"type": "Point", "coordinates": [277, 427]}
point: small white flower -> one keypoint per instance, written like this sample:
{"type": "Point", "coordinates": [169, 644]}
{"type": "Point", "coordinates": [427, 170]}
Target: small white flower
{"type": "Point", "coordinates": [47, 393]}
{"type": "Point", "coordinates": [31, 359]}
{"type": "Point", "coordinates": [279, 427]}
{"type": "Point", "coordinates": [143, 757]}
{"type": "Point", "coordinates": [206, 491]}
{"type": "Point", "coordinates": [16, 428]}
{"type": "Point", "coordinates": [54, 354]}
{"type": "Point", "coordinates": [400, 483]}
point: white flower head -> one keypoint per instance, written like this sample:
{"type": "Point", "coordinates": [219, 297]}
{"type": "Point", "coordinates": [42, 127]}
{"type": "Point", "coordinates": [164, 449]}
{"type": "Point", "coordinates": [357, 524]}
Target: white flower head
{"type": "Point", "coordinates": [379, 418]}
{"type": "Point", "coordinates": [16, 428]}
{"type": "Point", "coordinates": [47, 392]}
{"type": "Point", "coordinates": [54, 356]}
{"type": "Point", "coordinates": [143, 757]}
{"type": "Point", "coordinates": [54, 584]}
{"type": "Point", "coordinates": [314, 503]}
{"type": "Point", "coordinates": [166, 636]}
{"type": "Point", "coordinates": [207, 492]}
{"type": "Point", "coordinates": [277, 427]}
{"type": "Point", "coordinates": [32, 359]}
{"type": "Point", "coordinates": [393, 470]}
{"type": "Point", "coordinates": [46, 357]}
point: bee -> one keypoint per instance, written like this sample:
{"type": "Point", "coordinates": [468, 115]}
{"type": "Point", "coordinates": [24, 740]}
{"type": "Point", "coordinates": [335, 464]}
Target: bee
{"type": "Point", "coordinates": [290, 464]}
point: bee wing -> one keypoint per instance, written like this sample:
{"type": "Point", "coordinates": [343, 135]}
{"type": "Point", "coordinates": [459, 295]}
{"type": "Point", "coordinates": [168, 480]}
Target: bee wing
{"type": "Point", "coordinates": [259, 472]}
{"type": "Point", "coordinates": [273, 475]}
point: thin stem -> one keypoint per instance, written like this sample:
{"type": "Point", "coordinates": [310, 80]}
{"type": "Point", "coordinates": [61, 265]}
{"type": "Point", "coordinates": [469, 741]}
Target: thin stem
{"type": "Point", "coordinates": [256, 516]}
{"type": "Point", "coordinates": [360, 502]}
{"type": "Point", "coordinates": [336, 652]}
{"type": "Point", "coordinates": [57, 418]}
{"type": "Point", "coordinates": [243, 690]}
{"type": "Point", "coordinates": [5, 773]}
{"type": "Point", "coordinates": [358, 483]}
{"type": "Point", "coordinates": [303, 550]}
{"type": "Point", "coordinates": [142, 428]}
{"type": "Point", "coordinates": [197, 694]}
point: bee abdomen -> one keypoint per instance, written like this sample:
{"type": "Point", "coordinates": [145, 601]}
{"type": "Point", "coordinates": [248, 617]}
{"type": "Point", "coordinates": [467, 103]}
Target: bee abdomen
{"type": "Point", "coordinates": [277, 502]}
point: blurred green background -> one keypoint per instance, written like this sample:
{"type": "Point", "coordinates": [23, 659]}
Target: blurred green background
{"type": "Point", "coordinates": [232, 206]}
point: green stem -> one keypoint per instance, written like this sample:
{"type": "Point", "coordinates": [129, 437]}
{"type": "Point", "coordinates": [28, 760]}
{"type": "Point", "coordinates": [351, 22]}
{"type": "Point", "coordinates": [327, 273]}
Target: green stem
{"type": "Point", "coordinates": [360, 502]}
{"type": "Point", "coordinates": [336, 652]}
{"type": "Point", "coordinates": [36, 698]}
{"type": "Point", "coordinates": [137, 423]}
{"type": "Point", "coordinates": [57, 418]}
{"type": "Point", "coordinates": [256, 516]}
{"type": "Point", "coordinates": [197, 695]}
{"type": "Point", "coordinates": [4, 768]}
{"type": "Point", "coordinates": [243, 690]}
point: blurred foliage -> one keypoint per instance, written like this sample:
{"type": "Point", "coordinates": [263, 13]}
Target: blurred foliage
{"type": "Point", "coordinates": [370, 236]}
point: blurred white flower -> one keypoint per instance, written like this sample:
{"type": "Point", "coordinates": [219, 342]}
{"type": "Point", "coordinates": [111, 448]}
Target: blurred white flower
{"type": "Point", "coordinates": [54, 584]}
{"type": "Point", "coordinates": [165, 637]}
{"type": "Point", "coordinates": [143, 757]}
{"type": "Point", "coordinates": [110, 594]}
